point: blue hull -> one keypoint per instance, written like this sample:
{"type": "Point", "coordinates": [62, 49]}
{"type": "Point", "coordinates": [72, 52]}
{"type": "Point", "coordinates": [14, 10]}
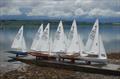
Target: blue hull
{"type": "Point", "coordinates": [18, 53]}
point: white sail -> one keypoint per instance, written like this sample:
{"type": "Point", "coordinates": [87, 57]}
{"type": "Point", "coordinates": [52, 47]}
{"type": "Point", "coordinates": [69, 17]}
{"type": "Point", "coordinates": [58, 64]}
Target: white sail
{"type": "Point", "coordinates": [102, 53]}
{"type": "Point", "coordinates": [19, 41]}
{"type": "Point", "coordinates": [82, 48]}
{"type": "Point", "coordinates": [36, 45]}
{"type": "Point", "coordinates": [51, 47]}
{"type": "Point", "coordinates": [59, 40]}
{"type": "Point", "coordinates": [45, 42]}
{"type": "Point", "coordinates": [92, 43]}
{"type": "Point", "coordinates": [24, 49]}
{"type": "Point", "coordinates": [73, 46]}
{"type": "Point", "coordinates": [66, 42]}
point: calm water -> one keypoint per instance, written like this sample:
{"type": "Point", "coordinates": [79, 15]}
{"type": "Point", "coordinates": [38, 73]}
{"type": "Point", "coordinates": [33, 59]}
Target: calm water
{"type": "Point", "coordinates": [110, 34]}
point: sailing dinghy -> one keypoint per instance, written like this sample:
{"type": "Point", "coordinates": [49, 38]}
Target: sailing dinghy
{"type": "Point", "coordinates": [19, 44]}
{"type": "Point", "coordinates": [36, 44]}
{"type": "Point", "coordinates": [42, 45]}
{"type": "Point", "coordinates": [94, 46]}
{"type": "Point", "coordinates": [82, 47]}
{"type": "Point", "coordinates": [45, 40]}
{"type": "Point", "coordinates": [59, 44]}
{"type": "Point", "coordinates": [73, 47]}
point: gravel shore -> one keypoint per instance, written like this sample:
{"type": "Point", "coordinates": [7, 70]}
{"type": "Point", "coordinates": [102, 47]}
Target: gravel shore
{"type": "Point", "coordinates": [37, 72]}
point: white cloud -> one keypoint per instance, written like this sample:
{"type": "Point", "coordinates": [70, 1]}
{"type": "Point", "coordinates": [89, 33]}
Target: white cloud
{"type": "Point", "coordinates": [9, 11]}
{"type": "Point", "coordinates": [59, 13]}
{"type": "Point", "coordinates": [48, 11]}
{"type": "Point", "coordinates": [103, 12]}
{"type": "Point", "coordinates": [79, 12]}
{"type": "Point", "coordinates": [61, 7]}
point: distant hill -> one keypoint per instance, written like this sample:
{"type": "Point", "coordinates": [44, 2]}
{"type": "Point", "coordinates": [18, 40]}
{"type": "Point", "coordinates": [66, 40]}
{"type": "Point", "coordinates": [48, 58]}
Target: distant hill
{"type": "Point", "coordinates": [78, 18]}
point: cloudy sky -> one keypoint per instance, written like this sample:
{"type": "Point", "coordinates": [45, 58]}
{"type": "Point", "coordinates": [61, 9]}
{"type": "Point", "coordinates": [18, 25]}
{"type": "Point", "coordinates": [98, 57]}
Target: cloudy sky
{"type": "Point", "coordinates": [60, 8]}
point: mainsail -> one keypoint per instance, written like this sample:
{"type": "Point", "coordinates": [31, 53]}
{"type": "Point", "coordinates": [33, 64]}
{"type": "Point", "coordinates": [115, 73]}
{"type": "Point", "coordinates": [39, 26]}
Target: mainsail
{"type": "Point", "coordinates": [19, 41]}
{"type": "Point", "coordinates": [73, 46]}
{"type": "Point", "coordinates": [59, 44]}
{"type": "Point", "coordinates": [92, 43]}
{"type": "Point", "coordinates": [45, 42]}
{"type": "Point", "coordinates": [36, 45]}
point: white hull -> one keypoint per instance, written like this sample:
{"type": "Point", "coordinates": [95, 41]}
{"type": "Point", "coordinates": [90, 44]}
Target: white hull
{"type": "Point", "coordinates": [91, 59]}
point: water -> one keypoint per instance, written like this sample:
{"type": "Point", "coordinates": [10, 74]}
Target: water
{"type": "Point", "coordinates": [110, 33]}
{"type": "Point", "coordinates": [8, 30]}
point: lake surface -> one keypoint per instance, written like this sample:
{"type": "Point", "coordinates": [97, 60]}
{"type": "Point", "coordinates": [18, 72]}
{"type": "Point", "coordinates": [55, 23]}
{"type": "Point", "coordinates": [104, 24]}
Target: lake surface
{"type": "Point", "coordinates": [110, 34]}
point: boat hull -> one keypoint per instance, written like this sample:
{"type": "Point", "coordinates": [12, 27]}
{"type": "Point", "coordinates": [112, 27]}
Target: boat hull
{"type": "Point", "coordinates": [18, 53]}
{"type": "Point", "coordinates": [42, 55]}
{"type": "Point", "coordinates": [91, 59]}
